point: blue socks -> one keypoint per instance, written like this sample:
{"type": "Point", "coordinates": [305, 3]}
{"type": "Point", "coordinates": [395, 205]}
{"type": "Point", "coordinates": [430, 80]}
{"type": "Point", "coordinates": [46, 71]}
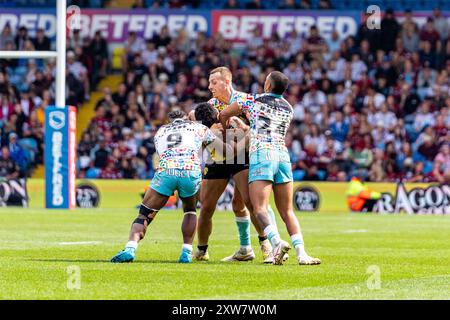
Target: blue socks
{"type": "Point", "coordinates": [243, 225]}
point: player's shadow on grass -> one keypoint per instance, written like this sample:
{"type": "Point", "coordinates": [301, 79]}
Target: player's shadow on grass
{"type": "Point", "coordinates": [137, 261]}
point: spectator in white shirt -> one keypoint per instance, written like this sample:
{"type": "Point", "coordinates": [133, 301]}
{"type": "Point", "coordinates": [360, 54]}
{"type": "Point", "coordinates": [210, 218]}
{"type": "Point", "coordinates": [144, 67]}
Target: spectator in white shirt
{"type": "Point", "coordinates": [150, 54]}
{"type": "Point", "coordinates": [386, 117]}
{"type": "Point", "coordinates": [129, 140]}
{"type": "Point", "coordinates": [254, 67]}
{"type": "Point", "coordinates": [333, 73]}
{"type": "Point", "coordinates": [440, 24]}
{"type": "Point", "coordinates": [341, 95]}
{"type": "Point", "coordinates": [255, 41]}
{"type": "Point", "coordinates": [316, 138]}
{"type": "Point", "coordinates": [133, 45]}
{"type": "Point", "coordinates": [334, 42]}
{"type": "Point", "coordinates": [79, 71]}
{"type": "Point", "coordinates": [75, 40]}
{"type": "Point", "coordinates": [296, 43]}
{"type": "Point", "coordinates": [294, 72]}
{"type": "Point", "coordinates": [314, 99]}
{"type": "Point", "coordinates": [75, 67]}
{"type": "Point", "coordinates": [358, 67]}
{"type": "Point", "coordinates": [424, 117]}
{"type": "Point", "coordinates": [378, 98]}
{"type": "Point", "coordinates": [299, 112]}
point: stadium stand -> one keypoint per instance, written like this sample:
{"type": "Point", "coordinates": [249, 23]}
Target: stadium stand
{"type": "Point", "coordinates": [27, 88]}
{"type": "Point", "coordinates": [414, 5]}
{"type": "Point", "coordinates": [376, 109]}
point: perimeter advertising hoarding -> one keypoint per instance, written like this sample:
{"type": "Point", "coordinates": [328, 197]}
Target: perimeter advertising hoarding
{"type": "Point", "coordinates": [238, 25]}
{"type": "Point", "coordinates": [13, 192]}
{"type": "Point", "coordinates": [235, 25]}
{"type": "Point", "coordinates": [127, 194]}
{"type": "Point", "coordinates": [114, 23]}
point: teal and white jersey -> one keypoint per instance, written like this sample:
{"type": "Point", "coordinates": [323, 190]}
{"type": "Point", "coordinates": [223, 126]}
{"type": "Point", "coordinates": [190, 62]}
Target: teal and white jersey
{"type": "Point", "coordinates": [270, 116]}
{"type": "Point", "coordinates": [179, 142]}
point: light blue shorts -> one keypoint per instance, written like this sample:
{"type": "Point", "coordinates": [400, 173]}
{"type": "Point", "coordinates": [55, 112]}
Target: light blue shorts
{"type": "Point", "coordinates": [272, 166]}
{"type": "Point", "coordinates": [186, 182]}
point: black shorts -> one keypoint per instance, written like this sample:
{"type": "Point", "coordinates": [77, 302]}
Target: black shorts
{"type": "Point", "coordinates": [224, 171]}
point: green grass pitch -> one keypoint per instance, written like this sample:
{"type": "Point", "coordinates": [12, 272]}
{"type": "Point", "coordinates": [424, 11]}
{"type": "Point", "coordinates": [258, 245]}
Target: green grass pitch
{"type": "Point", "coordinates": [38, 247]}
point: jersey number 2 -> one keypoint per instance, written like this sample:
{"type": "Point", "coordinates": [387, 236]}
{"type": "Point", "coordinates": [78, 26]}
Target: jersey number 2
{"type": "Point", "coordinates": [263, 125]}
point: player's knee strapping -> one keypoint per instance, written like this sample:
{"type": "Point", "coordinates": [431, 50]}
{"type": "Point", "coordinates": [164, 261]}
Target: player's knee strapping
{"type": "Point", "coordinates": [148, 213]}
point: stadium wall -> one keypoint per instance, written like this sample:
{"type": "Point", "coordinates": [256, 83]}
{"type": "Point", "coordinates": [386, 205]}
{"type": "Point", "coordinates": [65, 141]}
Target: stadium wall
{"type": "Point", "coordinates": [127, 193]}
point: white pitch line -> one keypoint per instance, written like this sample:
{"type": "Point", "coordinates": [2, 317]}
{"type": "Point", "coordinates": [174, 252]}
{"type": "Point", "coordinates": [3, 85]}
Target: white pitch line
{"type": "Point", "coordinates": [78, 243]}
{"type": "Point", "coordinates": [356, 231]}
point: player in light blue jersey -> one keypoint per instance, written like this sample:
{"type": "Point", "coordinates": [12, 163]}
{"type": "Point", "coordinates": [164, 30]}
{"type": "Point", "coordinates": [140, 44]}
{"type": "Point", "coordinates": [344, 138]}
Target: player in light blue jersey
{"type": "Point", "coordinates": [270, 168]}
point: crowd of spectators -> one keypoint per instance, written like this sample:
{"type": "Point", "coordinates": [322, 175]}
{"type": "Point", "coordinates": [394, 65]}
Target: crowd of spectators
{"type": "Point", "coordinates": [27, 87]}
{"type": "Point", "coordinates": [233, 4]}
{"type": "Point", "coordinates": [375, 105]}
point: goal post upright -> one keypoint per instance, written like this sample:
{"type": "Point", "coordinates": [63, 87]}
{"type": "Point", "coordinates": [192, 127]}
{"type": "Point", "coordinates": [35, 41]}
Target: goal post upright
{"type": "Point", "coordinates": [60, 127]}
{"type": "Point", "coordinates": [60, 90]}
{"type": "Point", "coordinates": [60, 123]}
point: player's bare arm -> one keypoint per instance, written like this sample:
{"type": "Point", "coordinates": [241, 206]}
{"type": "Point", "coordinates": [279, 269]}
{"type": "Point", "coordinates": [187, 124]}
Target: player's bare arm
{"type": "Point", "coordinates": [230, 111]}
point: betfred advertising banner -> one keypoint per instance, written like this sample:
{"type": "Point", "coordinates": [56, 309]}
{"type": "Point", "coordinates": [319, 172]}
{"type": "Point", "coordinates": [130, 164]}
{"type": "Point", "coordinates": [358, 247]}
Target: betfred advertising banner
{"type": "Point", "coordinates": [60, 155]}
{"type": "Point", "coordinates": [114, 24]}
{"type": "Point", "coordinates": [238, 25]}
{"type": "Point", "coordinates": [235, 25]}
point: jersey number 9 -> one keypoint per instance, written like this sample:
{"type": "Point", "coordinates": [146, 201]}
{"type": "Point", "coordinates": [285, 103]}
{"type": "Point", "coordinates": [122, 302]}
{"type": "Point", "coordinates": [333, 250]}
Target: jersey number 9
{"type": "Point", "coordinates": [174, 140]}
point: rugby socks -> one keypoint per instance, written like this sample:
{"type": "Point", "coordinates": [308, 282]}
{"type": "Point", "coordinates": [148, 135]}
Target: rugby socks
{"type": "Point", "coordinates": [272, 216]}
{"type": "Point", "coordinates": [132, 245]}
{"type": "Point", "coordinates": [203, 248]}
{"type": "Point", "coordinates": [272, 233]}
{"type": "Point", "coordinates": [243, 224]}
{"type": "Point", "coordinates": [297, 242]}
{"type": "Point", "coordinates": [187, 247]}
{"type": "Point", "coordinates": [261, 239]}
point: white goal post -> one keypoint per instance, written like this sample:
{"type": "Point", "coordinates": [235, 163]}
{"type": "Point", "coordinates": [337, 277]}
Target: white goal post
{"type": "Point", "coordinates": [60, 123]}
{"type": "Point", "coordinates": [59, 54]}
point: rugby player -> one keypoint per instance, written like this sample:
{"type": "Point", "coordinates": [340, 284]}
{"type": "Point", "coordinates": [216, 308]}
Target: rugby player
{"type": "Point", "coordinates": [270, 168]}
{"type": "Point", "coordinates": [178, 144]}
{"type": "Point", "coordinates": [215, 180]}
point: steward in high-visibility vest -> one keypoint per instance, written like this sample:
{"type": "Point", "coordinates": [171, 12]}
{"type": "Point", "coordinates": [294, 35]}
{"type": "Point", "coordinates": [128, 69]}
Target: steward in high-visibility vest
{"type": "Point", "coordinates": [360, 198]}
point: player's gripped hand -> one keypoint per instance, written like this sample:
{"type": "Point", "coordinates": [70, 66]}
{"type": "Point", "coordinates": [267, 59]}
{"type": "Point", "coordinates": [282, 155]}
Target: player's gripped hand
{"type": "Point", "coordinates": [217, 129]}
{"type": "Point", "coordinates": [218, 126]}
{"type": "Point", "coordinates": [237, 123]}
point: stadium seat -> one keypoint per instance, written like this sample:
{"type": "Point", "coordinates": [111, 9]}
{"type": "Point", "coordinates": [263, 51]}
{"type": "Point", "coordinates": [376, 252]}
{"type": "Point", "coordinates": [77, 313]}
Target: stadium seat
{"type": "Point", "coordinates": [427, 167]}
{"type": "Point", "coordinates": [417, 157]}
{"type": "Point", "coordinates": [322, 174]}
{"type": "Point", "coordinates": [30, 147]}
{"type": "Point", "coordinates": [93, 173]}
{"type": "Point", "coordinates": [117, 55]}
{"type": "Point", "coordinates": [20, 70]}
{"type": "Point", "coordinates": [298, 175]}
